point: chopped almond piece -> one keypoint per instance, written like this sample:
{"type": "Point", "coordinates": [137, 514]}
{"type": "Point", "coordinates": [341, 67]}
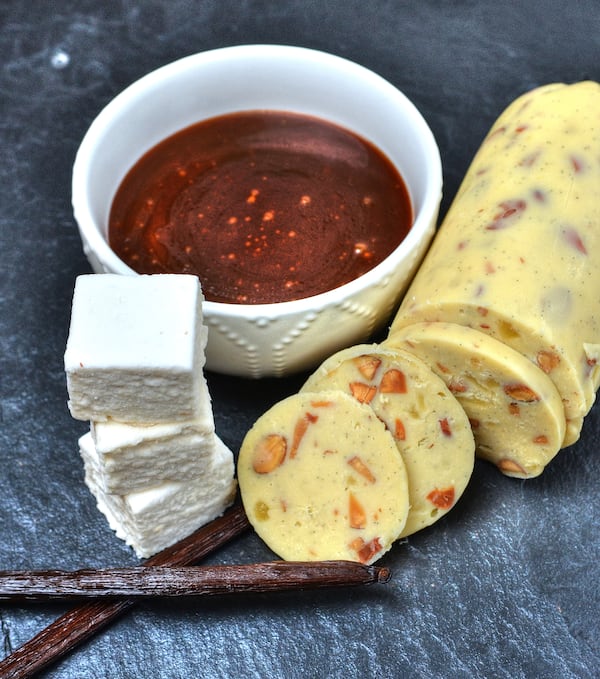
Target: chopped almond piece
{"type": "Point", "coordinates": [300, 430]}
{"type": "Point", "coordinates": [269, 453]}
{"type": "Point", "coordinates": [362, 392]}
{"type": "Point", "coordinates": [393, 382]}
{"type": "Point", "coordinates": [368, 550]}
{"type": "Point", "coordinates": [359, 466]}
{"type": "Point", "coordinates": [521, 392]}
{"type": "Point", "coordinates": [457, 387]}
{"type": "Point", "coordinates": [367, 365]}
{"type": "Point", "coordinates": [510, 466]}
{"type": "Point", "coordinates": [445, 427]}
{"type": "Point", "coordinates": [547, 360]}
{"type": "Point", "coordinates": [357, 544]}
{"type": "Point", "coordinates": [357, 514]}
{"type": "Point", "coordinates": [400, 431]}
{"type": "Point", "coordinates": [442, 498]}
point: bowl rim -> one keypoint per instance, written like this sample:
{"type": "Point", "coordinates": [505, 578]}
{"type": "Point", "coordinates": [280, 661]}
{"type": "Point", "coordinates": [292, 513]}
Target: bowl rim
{"type": "Point", "coordinates": [432, 194]}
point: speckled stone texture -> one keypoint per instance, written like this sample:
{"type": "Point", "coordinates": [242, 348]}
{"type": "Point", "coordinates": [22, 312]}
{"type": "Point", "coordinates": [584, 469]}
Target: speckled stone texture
{"type": "Point", "coordinates": [505, 586]}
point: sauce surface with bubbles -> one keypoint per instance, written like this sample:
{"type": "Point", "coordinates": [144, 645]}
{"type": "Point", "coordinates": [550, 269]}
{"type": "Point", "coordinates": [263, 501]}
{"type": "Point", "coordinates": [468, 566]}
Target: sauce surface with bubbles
{"type": "Point", "coordinates": [263, 206]}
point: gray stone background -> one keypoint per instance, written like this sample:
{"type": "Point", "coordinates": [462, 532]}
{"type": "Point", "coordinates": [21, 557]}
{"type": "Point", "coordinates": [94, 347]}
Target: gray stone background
{"type": "Point", "coordinates": [506, 586]}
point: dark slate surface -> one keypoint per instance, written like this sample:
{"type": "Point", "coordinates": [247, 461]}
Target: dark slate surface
{"type": "Point", "coordinates": [506, 585]}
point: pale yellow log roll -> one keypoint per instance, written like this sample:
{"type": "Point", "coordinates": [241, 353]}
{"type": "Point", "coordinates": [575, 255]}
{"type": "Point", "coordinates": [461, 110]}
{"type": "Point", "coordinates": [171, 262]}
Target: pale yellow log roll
{"type": "Point", "coordinates": [518, 255]}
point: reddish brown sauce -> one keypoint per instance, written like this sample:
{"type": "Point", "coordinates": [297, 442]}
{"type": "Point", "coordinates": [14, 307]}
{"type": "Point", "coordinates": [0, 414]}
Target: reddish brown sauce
{"type": "Point", "coordinates": [262, 206]}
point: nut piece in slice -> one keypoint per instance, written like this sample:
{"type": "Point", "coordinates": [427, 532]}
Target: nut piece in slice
{"type": "Point", "coordinates": [320, 478]}
{"type": "Point", "coordinates": [431, 430]}
{"type": "Point", "coordinates": [516, 412]}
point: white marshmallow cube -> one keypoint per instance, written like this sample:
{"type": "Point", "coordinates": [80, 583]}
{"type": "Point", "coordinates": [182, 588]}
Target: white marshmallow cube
{"type": "Point", "coordinates": [133, 457]}
{"type": "Point", "coordinates": [135, 350]}
{"type": "Point", "coordinates": [152, 519]}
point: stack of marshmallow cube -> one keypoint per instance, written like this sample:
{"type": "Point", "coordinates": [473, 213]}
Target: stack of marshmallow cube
{"type": "Point", "coordinates": [134, 363]}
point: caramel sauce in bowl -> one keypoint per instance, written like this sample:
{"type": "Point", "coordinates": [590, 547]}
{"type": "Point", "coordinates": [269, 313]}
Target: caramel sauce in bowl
{"type": "Point", "coordinates": [273, 335]}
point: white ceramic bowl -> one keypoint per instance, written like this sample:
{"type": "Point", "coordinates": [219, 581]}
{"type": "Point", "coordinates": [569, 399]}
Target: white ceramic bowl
{"type": "Point", "coordinates": [282, 338]}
